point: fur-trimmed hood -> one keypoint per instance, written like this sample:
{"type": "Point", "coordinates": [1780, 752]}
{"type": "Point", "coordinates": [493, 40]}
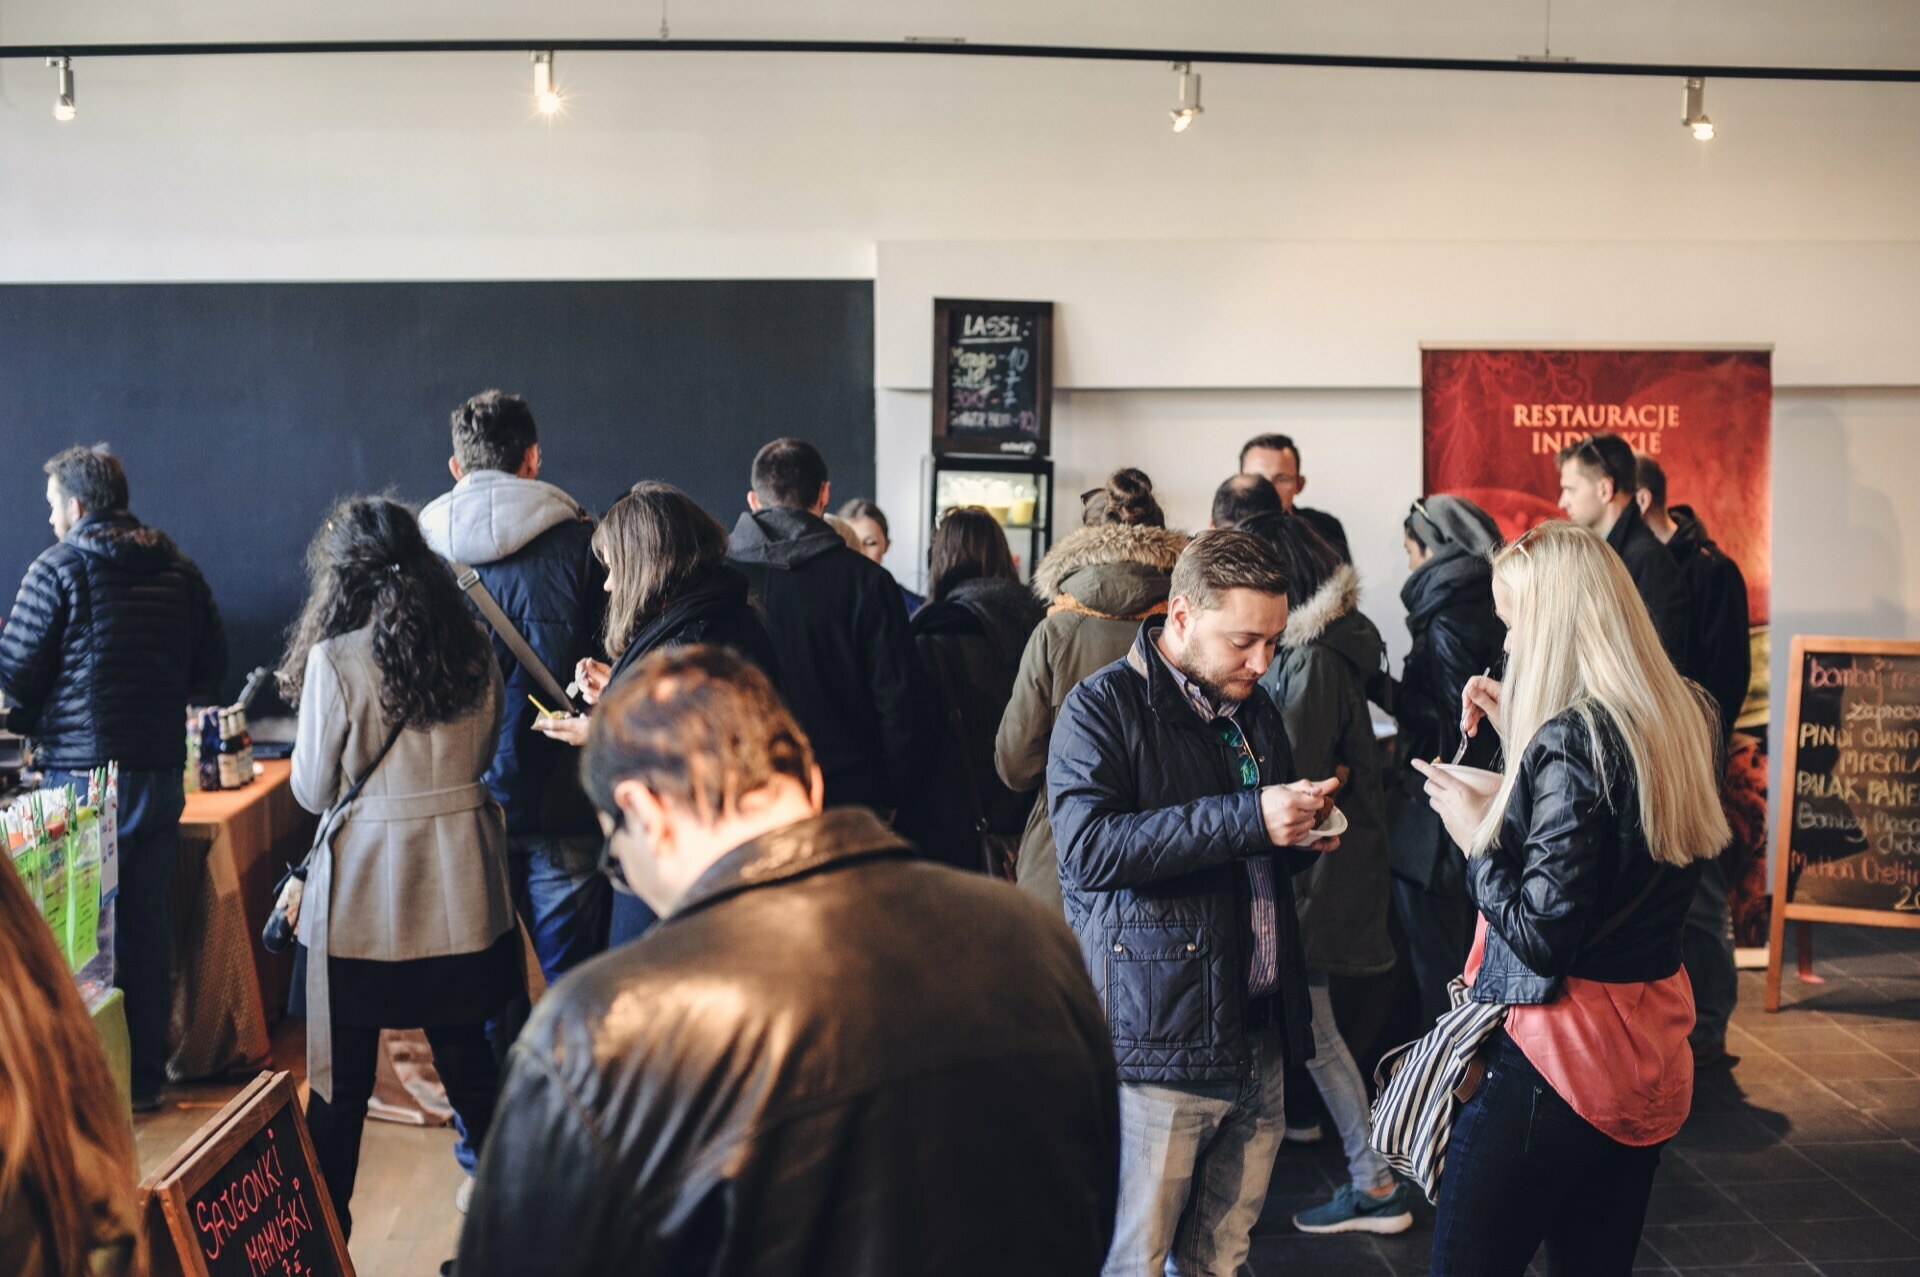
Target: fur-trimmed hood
{"type": "Point", "coordinates": [1332, 617]}
{"type": "Point", "coordinates": [1116, 569]}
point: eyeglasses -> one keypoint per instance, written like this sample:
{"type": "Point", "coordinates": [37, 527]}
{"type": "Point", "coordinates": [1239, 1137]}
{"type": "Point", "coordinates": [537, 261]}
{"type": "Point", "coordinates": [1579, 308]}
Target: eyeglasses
{"type": "Point", "coordinates": [609, 864]}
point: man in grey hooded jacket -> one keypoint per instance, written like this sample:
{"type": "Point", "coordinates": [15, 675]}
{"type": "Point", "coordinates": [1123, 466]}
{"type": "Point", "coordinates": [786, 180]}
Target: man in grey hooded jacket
{"type": "Point", "coordinates": [531, 543]}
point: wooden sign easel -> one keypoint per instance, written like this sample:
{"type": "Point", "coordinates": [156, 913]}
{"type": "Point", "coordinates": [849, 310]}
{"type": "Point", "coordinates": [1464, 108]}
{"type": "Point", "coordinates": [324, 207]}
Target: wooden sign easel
{"type": "Point", "coordinates": [278, 1217]}
{"type": "Point", "coordinates": [1784, 908]}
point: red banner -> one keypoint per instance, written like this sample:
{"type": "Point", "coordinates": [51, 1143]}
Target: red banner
{"type": "Point", "coordinates": [1495, 418]}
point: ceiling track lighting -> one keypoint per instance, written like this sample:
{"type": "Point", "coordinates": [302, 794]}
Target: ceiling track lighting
{"type": "Point", "coordinates": [546, 95]}
{"type": "Point", "coordinates": [63, 108]}
{"type": "Point", "coordinates": [1189, 108]}
{"type": "Point", "coordinates": [1696, 116]}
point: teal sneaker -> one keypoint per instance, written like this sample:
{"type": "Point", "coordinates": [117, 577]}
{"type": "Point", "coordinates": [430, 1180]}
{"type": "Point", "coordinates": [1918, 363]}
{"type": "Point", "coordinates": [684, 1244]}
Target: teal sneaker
{"type": "Point", "coordinates": [1352, 1211]}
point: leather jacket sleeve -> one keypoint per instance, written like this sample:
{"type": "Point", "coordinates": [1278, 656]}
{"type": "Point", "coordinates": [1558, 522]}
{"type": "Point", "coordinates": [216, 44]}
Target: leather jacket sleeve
{"type": "Point", "coordinates": [30, 644]}
{"type": "Point", "coordinates": [1106, 843]}
{"type": "Point", "coordinates": [1541, 897]}
{"type": "Point", "coordinates": [547, 1197]}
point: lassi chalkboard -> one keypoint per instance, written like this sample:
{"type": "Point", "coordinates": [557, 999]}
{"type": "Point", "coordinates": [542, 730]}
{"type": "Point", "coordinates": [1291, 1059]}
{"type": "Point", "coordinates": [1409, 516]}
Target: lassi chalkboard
{"type": "Point", "coordinates": [242, 1196]}
{"type": "Point", "coordinates": [1848, 843]}
{"type": "Point", "coordinates": [992, 377]}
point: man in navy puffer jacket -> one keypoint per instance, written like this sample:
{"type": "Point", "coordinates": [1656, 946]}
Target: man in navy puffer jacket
{"type": "Point", "coordinates": [1167, 783]}
{"type": "Point", "coordinates": [532, 545]}
{"type": "Point", "coordinates": [113, 632]}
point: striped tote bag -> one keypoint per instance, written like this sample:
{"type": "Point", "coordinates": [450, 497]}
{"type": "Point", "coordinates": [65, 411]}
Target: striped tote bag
{"type": "Point", "coordinates": [1423, 1084]}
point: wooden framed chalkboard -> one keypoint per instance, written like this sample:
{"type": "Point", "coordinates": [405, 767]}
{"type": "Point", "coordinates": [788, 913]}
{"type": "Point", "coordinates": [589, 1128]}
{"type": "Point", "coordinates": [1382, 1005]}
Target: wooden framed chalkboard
{"type": "Point", "coordinates": [992, 377]}
{"type": "Point", "coordinates": [244, 1196]}
{"type": "Point", "coordinates": [1848, 844]}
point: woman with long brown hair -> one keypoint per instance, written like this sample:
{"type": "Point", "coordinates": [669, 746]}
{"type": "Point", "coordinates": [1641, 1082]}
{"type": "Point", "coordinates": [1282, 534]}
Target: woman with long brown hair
{"type": "Point", "coordinates": [668, 585]}
{"type": "Point", "coordinates": [970, 635]}
{"type": "Point", "coordinates": [407, 919]}
{"type": "Point", "coordinates": [67, 1205]}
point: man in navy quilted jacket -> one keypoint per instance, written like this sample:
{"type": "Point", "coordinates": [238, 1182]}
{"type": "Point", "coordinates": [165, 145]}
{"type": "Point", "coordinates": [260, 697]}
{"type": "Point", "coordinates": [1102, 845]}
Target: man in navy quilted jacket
{"type": "Point", "coordinates": [1180, 822]}
{"type": "Point", "coordinates": [113, 632]}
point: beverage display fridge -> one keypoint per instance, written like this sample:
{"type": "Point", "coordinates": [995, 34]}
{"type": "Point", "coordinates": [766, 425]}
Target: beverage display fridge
{"type": "Point", "coordinates": [1016, 491]}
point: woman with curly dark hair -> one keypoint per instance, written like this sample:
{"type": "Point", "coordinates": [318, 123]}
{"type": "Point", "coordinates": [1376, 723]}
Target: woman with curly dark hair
{"type": "Point", "coordinates": [407, 920]}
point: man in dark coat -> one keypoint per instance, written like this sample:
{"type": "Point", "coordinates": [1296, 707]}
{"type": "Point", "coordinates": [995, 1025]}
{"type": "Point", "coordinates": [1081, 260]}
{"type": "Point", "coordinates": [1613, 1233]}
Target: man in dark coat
{"type": "Point", "coordinates": [846, 660]}
{"type": "Point", "coordinates": [1167, 787]}
{"type": "Point", "coordinates": [113, 632]}
{"type": "Point", "coordinates": [1721, 658]}
{"type": "Point", "coordinates": [1596, 491]}
{"type": "Point", "coordinates": [829, 1056]}
{"type": "Point", "coordinates": [531, 544]}
{"type": "Point", "coordinates": [1276, 458]}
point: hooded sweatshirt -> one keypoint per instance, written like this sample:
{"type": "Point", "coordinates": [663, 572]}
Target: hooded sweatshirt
{"type": "Point", "coordinates": [532, 546]}
{"type": "Point", "coordinates": [113, 632]}
{"type": "Point", "coordinates": [850, 675]}
{"type": "Point", "coordinates": [1318, 680]}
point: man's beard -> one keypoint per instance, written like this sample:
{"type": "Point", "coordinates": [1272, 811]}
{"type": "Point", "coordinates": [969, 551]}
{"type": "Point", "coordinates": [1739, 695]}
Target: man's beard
{"type": "Point", "coordinates": [1214, 691]}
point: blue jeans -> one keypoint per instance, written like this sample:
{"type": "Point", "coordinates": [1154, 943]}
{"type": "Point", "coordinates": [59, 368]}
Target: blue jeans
{"type": "Point", "coordinates": [1338, 1080]}
{"type": "Point", "coordinates": [566, 913]}
{"type": "Point", "coordinates": [149, 839]}
{"type": "Point", "coordinates": [1523, 1168]}
{"type": "Point", "coordinates": [1194, 1163]}
{"type": "Point", "coordinates": [631, 918]}
{"type": "Point", "coordinates": [566, 910]}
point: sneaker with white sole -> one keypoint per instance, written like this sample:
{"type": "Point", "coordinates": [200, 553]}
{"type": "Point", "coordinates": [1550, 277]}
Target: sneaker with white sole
{"type": "Point", "coordinates": [1352, 1211]}
{"type": "Point", "coordinates": [463, 1196]}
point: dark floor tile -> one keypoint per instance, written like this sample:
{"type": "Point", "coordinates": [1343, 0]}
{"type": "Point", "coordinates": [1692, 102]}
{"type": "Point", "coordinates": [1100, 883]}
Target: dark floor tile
{"type": "Point", "coordinates": [1891, 1159]}
{"type": "Point", "coordinates": [1842, 1066]}
{"type": "Point", "coordinates": [1699, 1204]}
{"type": "Point", "coordinates": [1775, 1165]}
{"type": "Point", "coordinates": [1407, 1253]}
{"type": "Point", "coordinates": [1895, 1197]}
{"type": "Point", "coordinates": [1288, 1256]}
{"type": "Point", "coordinates": [1818, 1199]}
{"type": "Point", "coordinates": [1736, 1130]}
{"type": "Point", "coordinates": [1802, 1037]}
{"type": "Point", "coordinates": [1870, 1268]}
{"type": "Point", "coordinates": [1700, 1245]}
{"type": "Point", "coordinates": [1901, 1123]}
{"type": "Point", "coordinates": [1887, 1037]}
{"type": "Point", "coordinates": [1834, 1124]}
{"type": "Point", "coordinates": [1837, 1239]}
{"type": "Point", "coordinates": [1881, 1093]}
{"type": "Point", "coordinates": [1753, 1270]}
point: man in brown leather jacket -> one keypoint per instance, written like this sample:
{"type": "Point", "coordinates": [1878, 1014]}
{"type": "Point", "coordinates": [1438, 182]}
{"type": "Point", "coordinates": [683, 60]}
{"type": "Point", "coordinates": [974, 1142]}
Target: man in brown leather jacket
{"type": "Point", "coordinates": [830, 1056]}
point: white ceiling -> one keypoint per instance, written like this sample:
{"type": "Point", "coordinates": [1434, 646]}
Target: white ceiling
{"type": "Point", "coordinates": [1834, 32]}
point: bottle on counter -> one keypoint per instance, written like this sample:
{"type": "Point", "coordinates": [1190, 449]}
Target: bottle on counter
{"type": "Point", "coordinates": [210, 749]}
{"type": "Point", "coordinates": [230, 777]}
{"type": "Point", "coordinates": [192, 778]}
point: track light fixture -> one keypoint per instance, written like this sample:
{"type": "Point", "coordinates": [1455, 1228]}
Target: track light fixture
{"type": "Point", "coordinates": [63, 108]}
{"type": "Point", "coordinates": [1189, 108]}
{"type": "Point", "coordinates": [546, 97]}
{"type": "Point", "coordinates": [1696, 117]}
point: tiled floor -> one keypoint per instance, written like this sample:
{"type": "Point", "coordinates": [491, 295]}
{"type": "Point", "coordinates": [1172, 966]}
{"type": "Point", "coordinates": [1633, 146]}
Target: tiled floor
{"type": "Point", "coordinates": [1804, 1160]}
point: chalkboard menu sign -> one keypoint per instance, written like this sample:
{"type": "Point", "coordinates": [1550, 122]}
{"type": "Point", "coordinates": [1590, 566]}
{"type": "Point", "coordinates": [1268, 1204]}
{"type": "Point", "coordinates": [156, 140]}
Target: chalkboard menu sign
{"type": "Point", "coordinates": [992, 377]}
{"type": "Point", "coordinates": [243, 1197]}
{"type": "Point", "coordinates": [1848, 844]}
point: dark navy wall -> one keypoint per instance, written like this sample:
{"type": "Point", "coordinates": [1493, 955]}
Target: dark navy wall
{"type": "Point", "coordinates": [243, 410]}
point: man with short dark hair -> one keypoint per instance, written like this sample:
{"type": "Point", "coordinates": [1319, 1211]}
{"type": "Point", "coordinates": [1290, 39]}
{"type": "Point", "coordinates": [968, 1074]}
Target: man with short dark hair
{"type": "Point", "coordinates": [829, 1056]}
{"type": "Point", "coordinates": [1171, 788]}
{"type": "Point", "coordinates": [1243, 497]}
{"type": "Point", "coordinates": [846, 656]}
{"type": "Point", "coordinates": [113, 632]}
{"type": "Point", "coordinates": [1596, 492]}
{"type": "Point", "coordinates": [1720, 656]}
{"type": "Point", "coordinates": [1276, 458]}
{"type": "Point", "coordinates": [531, 544]}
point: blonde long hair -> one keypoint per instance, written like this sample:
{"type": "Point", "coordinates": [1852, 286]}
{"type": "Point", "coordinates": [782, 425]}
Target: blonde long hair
{"type": "Point", "coordinates": [1582, 641]}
